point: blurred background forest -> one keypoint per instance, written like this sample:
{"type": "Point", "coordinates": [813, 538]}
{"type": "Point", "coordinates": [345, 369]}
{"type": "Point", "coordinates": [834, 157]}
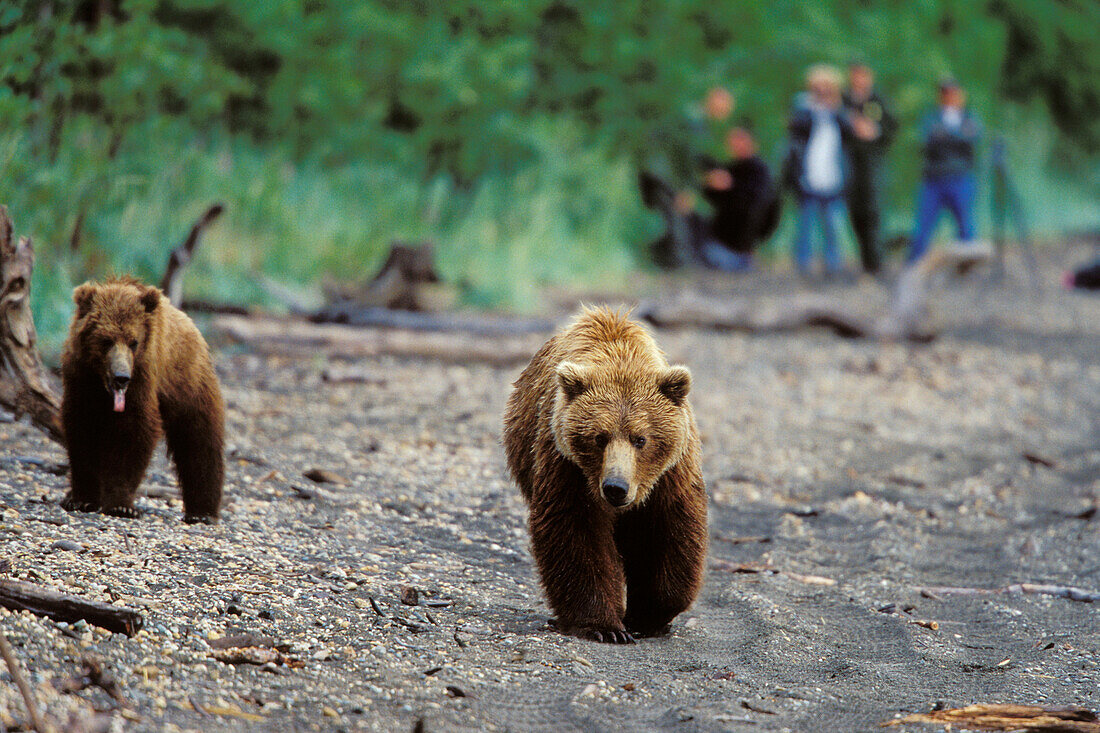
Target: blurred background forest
{"type": "Point", "coordinates": [509, 133]}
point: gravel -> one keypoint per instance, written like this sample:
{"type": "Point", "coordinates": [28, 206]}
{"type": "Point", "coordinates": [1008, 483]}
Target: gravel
{"type": "Point", "coordinates": [371, 533]}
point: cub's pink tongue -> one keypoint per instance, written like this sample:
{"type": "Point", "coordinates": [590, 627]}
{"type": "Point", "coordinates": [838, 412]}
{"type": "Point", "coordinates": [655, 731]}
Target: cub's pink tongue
{"type": "Point", "coordinates": [120, 400]}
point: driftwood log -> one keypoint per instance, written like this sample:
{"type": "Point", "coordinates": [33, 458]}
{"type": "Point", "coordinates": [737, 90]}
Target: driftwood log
{"type": "Point", "coordinates": [172, 282]}
{"type": "Point", "coordinates": [17, 595]}
{"type": "Point", "coordinates": [24, 384]}
{"type": "Point", "coordinates": [470, 324]}
{"type": "Point", "coordinates": [906, 319]}
{"type": "Point", "coordinates": [296, 337]}
{"type": "Point", "coordinates": [746, 315]}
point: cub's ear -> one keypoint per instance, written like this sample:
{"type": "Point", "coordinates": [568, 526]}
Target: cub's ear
{"type": "Point", "coordinates": [150, 299]}
{"type": "Point", "coordinates": [573, 379]}
{"type": "Point", "coordinates": [675, 384]}
{"type": "Point", "coordinates": [82, 296]}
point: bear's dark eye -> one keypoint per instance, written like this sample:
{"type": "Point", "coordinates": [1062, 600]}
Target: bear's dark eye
{"type": "Point", "coordinates": [133, 344]}
{"type": "Point", "coordinates": [600, 441]}
{"type": "Point", "coordinates": [638, 441]}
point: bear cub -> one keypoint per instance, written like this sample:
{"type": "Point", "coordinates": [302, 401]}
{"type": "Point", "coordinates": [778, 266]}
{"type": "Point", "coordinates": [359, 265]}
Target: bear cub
{"type": "Point", "coordinates": [600, 438]}
{"type": "Point", "coordinates": [134, 369]}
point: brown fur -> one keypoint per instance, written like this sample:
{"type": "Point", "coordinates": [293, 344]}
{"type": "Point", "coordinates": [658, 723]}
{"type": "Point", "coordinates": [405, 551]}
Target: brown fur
{"type": "Point", "coordinates": [574, 422]}
{"type": "Point", "coordinates": [126, 327]}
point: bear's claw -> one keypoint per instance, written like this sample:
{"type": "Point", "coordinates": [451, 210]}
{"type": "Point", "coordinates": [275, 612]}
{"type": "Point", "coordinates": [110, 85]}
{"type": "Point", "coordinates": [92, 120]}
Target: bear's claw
{"type": "Point", "coordinates": [605, 636]}
{"type": "Point", "coordinates": [126, 512]}
{"type": "Point", "coordinates": [199, 519]}
{"type": "Point", "coordinates": [71, 505]}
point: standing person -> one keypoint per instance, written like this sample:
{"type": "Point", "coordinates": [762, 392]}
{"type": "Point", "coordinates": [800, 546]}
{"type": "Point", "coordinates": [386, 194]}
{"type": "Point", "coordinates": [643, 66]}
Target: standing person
{"type": "Point", "coordinates": [745, 201]}
{"type": "Point", "coordinates": [874, 128]}
{"type": "Point", "coordinates": [950, 137]}
{"type": "Point", "coordinates": [816, 165]}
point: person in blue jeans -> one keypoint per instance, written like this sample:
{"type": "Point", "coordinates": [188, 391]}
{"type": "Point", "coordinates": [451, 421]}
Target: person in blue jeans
{"type": "Point", "coordinates": [950, 137]}
{"type": "Point", "coordinates": [816, 166]}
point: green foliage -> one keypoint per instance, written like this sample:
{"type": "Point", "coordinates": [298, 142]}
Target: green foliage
{"type": "Point", "coordinates": [508, 132]}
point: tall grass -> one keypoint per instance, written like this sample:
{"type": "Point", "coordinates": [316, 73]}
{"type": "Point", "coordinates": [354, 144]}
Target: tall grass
{"type": "Point", "coordinates": [572, 218]}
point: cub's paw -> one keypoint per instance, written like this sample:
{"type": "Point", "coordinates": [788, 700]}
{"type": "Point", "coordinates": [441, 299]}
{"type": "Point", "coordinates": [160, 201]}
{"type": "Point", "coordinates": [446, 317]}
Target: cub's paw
{"type": "Point", "coordinates": [126, 512]}
{"type": "Point", "coordinates": [70, 504]}
{"type": "Point", "coordinates": [602, 635]}
{"type": "Point", "coordinates": [199, 519]}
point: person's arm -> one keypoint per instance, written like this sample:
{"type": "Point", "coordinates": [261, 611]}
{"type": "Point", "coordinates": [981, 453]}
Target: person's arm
{"type": "Point", "coordinates": [888, 125]}
{"type": "Point", "coordinates": [716, 185]}
{"type": "Point", "coordinates": [971, 129]}
{"type": "Point", "coordinates": [932, 132]}
{"type": "Point", "coordinates": [847, 128]}
{"type": "Point", "coordinates": [962, 141]}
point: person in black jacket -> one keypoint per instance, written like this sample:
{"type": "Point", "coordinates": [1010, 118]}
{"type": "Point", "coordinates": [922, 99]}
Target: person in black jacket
{"type": "Point", "coordinates": [677, 155]}
{"type": "Point", "coordinates": [745, 202]}
{"type": "Point", "coordinates": [874, 126]}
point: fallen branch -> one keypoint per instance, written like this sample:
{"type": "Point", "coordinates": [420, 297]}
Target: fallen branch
{"type": "Point", "coordinates": [1058, 591]}
{"type": "Point", "coordinates": [21, 683]}
{"type": "Point", "coordinates": [19, 596]}
{"type": "Point", "coordinates": [295, 337]}
{"type": "Point", "coordinates": [1071, 719]}
{"type": "Point", "coordinates": [172, 282]}
{"type": "Point", "coordinates": [24, 386]}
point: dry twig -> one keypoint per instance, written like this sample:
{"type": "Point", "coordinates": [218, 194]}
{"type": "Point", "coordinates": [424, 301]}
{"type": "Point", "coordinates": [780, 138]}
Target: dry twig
{"type": "Point", "coordinates": [1009, 718]}
{"type": "Point", "coordinates": [1058, 591]}
{"type": "Point", "coordinates": [21, 683]}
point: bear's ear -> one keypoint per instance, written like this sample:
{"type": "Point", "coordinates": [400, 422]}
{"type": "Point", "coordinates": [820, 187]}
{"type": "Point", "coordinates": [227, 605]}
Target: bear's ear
{"type": "Point", "coordinates": [573, 379]}
{"type": "Point", "coordinates": [150, 299]}
{"type": "Point", "coordinates": [82, 296]}
{"type": "Point", "coordinates": [675, 384]}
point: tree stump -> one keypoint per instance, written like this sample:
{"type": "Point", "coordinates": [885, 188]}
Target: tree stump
{"type": "Point", "coordinates": [404, 283]}
{"type": "Point", "coordinates": [24, 386]}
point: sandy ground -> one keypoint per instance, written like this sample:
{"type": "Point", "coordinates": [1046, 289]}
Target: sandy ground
{"type": "Point", "coordinates": [843, 476]}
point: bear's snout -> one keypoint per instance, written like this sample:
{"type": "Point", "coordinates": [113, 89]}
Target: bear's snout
{"type": "Point", "coordinates": [615, 490]}
{"type": "Point", "coordinates": [618, 473]}
{"type": "Point", "coordinates": [119, 372]}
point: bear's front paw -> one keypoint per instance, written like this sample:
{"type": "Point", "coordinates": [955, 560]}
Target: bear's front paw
{"type": "Point", "coordinates": [199, 519]}
{"type": "Point", "coordinates": [126, 512]}
{"type": "Point", "coordinates": [70, 504]}
{"type": "Point", "coordinates": [602, 635]}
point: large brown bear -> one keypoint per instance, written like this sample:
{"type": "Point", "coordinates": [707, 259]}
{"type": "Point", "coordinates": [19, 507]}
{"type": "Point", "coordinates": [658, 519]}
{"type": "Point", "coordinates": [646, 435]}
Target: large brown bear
{"type": "Point", "coordinates": [134, 368]}
{"type": "Point", "coordinates": [601, 439]}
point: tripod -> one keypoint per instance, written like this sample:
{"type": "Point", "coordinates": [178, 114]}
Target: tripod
{"type": "Point", "coordinates": [1006, 204]}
